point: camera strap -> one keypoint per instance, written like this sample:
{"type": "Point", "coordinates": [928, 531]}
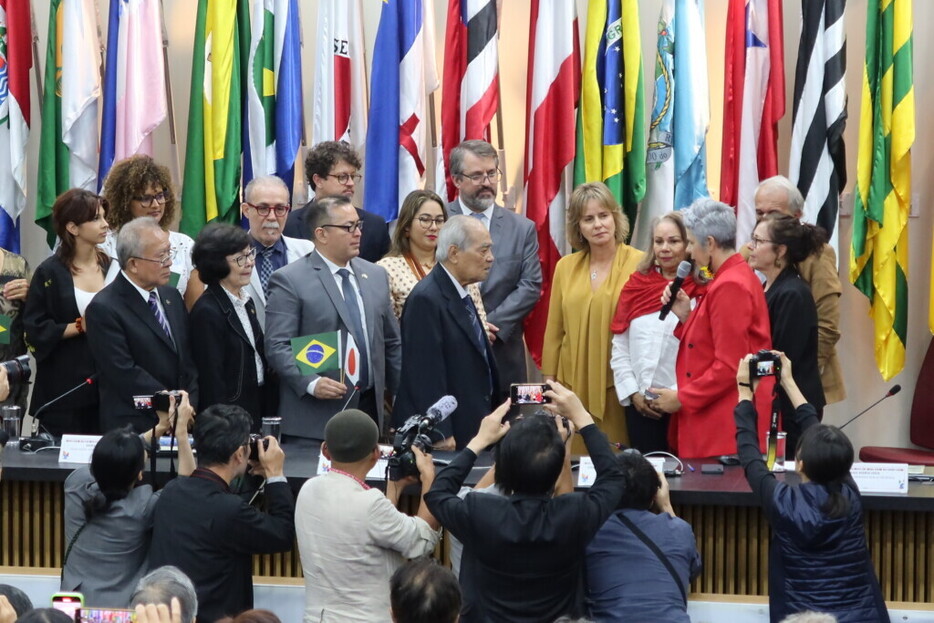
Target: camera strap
{"type": "Point", "coordinates": [772, 450]}
{"type": "Point", "coordinates": [71, 544]}
{"type": "Point", "coordinates": [642, 536]}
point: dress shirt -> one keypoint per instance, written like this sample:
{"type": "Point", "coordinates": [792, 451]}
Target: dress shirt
{"type": "Point", "coordinates": [239, 305]}
{"type": "Point", "coordinates": [145, 294]}
{"type": "Point", "coordinates": [644, 355]}
{"type": "Point", "coordinates": [278, 255]}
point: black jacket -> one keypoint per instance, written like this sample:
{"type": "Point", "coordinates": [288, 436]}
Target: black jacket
{"type": "Point", "coordinates": [374, 241]}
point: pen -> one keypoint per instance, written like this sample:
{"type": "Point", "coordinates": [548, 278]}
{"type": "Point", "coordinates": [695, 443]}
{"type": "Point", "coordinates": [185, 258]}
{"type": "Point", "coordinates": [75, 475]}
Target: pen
{"type": "Point", "coordinates": [690, 467]}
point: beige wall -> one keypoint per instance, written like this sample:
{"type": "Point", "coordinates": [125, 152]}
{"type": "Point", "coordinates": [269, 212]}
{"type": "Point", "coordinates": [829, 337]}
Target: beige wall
{"type": "Point", "coordinates": [888, 424]}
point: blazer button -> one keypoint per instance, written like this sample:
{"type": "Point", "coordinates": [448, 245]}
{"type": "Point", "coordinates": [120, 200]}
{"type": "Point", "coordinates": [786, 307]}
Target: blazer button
{"type": "Point", "coordinates": [688, 375]}
{"type": "Point", "coordinates": [690, 346]}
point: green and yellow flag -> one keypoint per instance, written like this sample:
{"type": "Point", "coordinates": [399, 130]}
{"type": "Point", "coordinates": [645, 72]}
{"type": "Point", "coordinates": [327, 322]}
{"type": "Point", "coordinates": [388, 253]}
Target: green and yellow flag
{"type": "Point", "coordinates": [317, 353]}
{"type": "Point", "coordinates": [611, 118]}
{"type": "Point", "coordinates": [5, 329]}
{"type": "Point", "coordinates": [879, 247]}
{"type": "Point", "coordinates": [211, 188]}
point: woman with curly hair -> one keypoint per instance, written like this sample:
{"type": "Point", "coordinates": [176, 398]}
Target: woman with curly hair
{"type": "Point", "coordinates": [138, 186]}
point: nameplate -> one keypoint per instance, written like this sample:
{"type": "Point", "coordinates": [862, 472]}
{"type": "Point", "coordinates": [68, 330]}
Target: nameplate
{"type": "Point", "coordinates": [658, 462]}
{"type": "Point", "coordinates": [586, 473]}
{"type": "Point", "coordinates": [77, 448]}
{"type": "Point", "coordinates": [378, 472]}
{"type": "Point", "coordinates": [880, 477]}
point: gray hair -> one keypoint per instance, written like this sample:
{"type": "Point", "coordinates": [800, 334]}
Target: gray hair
{"type": "Point", "coordinates": [706, 217]}
{"type": "Point", "coordinates": [457, 231]}
{"type": "Point", "coordinates": [130, 238]}
{"type": "Point", "coordinates": [810, 617]}
{"type": "Point", "coordinates": [478, 148]}
{"type": "Point", "coordinates": [794, 201]}
{"type": "Point", "coordinates": [264, 180]}
{"type": "Point", "coordinates": [161, 585]}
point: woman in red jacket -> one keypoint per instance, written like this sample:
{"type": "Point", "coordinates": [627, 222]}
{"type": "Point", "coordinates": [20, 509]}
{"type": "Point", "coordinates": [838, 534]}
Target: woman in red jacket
{"type": "Point", "coordinates": [729, 321]}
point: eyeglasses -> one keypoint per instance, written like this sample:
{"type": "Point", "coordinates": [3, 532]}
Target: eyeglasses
{"type": "Point", "coordinates": [163, 261]}
{"type": "Point", "coordinates": [479, 178]}
{"type": "Point", "coordinates": [148, 200]}
{"type": "Point", "coordinates": [349, 228]}
{"type": "Point", "coordinates": [343, 178]}
{"type": "Point", "coordinates": [757, 241]}
{"type": "Point", "coordinates": [246, 258]}
{"type": "Point", "coordinates": [263, 210]}
{"type": "Point", "coordinates": [426, 221]}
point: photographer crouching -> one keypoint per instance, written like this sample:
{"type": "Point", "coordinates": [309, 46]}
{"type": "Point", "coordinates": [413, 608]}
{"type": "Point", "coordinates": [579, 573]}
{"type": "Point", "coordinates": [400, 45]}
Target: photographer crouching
{"type": "Point", "coordinates": [351, 537]}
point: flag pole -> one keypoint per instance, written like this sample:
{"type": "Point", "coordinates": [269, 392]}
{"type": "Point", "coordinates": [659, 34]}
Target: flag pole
{"type": "Point", "coordinates": [35, 58]}
{"type": "Point", "coordinates": [433, 132]}
{"type": "Point", "coordinates": [508, 202]}
{"type": "Point", "coordinates": [173, 137]}
{"type": "Point", "coordinates": [303, 146]}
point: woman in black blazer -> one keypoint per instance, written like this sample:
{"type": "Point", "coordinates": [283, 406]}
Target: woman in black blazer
{"type": "Point", "coordinates": [226, 337]}
{"type": "Point", "coordinates": [53, 320]}
{"type": "Point", "coordinates": [779, 242]}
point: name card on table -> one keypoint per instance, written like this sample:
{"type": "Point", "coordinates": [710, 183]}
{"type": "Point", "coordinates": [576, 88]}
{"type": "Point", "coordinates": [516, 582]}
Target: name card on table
{"type": "Point", "coordinates": [77, 448]}
{"type": "Point", "coordinates": [377, 473]}
{"type": "Point", "coordinates": [586, 473]}
{"type": "Point", "coordinates": [880, 477]}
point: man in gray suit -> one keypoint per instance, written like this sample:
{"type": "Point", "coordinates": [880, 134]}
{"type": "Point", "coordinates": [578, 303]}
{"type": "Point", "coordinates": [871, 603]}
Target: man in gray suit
{"type": "Point", "coordinates": [266, 206]}
{"type": "Point", "coordinates": [332, 289]}
{"type": "Point", "coordinates": [515, 282]}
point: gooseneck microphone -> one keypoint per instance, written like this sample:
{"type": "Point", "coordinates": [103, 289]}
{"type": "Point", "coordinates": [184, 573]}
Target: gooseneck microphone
{"type": "Point", "coordinates": [684, 269]}
{"type": "Point", "coordinates": [895, 389]}
{"type": "Point", "coordinates": [35, 441]}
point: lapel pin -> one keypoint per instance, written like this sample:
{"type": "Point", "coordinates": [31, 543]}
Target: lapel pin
{"type": "Point", "coordinates": [364, 275]}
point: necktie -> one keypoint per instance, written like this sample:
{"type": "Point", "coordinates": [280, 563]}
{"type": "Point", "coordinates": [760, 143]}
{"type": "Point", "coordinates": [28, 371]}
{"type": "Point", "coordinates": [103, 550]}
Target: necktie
{"type": "Point", "coordinates": [154, 306]}
{"type": "Point", "coordinates": [479, 333]}
{"type": "Point", "coordinates": [265, 268]}
{"type": "Point", "coordinates": [356, 319]}
{"type": "Point", "coordinates": [480, 216]}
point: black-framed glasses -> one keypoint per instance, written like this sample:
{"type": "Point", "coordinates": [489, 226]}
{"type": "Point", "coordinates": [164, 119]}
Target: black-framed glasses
{"type": "Point", "coordinates": [426, 221]}
{"type": "Point", "coordinates": [479, 178]}
{"type": "Point", "coordinates": [148, 200]}
{"type": "Point", "coordinates": [245, 258]}
{"type": "Point", "coordinates": [343, 178]}
{"type": "Point", "coordinates": [163, 261]}
{"type": "Point", "coordinates": [349, 227]}
{"type": "Point", "coordinates": [757, 241]}
{"type": "Point", "coordinates": [263, 210]}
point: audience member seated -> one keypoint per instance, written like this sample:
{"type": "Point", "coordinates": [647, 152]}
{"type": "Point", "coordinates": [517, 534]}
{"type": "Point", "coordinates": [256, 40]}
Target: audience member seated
{"type": "Point", "coordinates": [253, 616]}
{"type": "Point", "coordinates": [422, 591]}
{"type": "Point", "coordinates": [351, 537]}
{"type": "Point", "coordinates": [818, 559]}
{"type": "Point", "coordinates": [523, 553]}
{"type": "Point", "coordinates": [17, 600]}
{"type": "Point", "coordinates": [108, 519]}
{"type": "Point", "coordinates": [45, 615]}
{"type": "Point", "coordinates": [166, 585]}
{"type": "Point", "coordinates": [210, 533]}
{"type": "Point", "coordinates": [645, 532]}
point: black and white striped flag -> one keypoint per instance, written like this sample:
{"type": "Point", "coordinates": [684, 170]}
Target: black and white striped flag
{"type": "Point", "coordinates": [818, 163]}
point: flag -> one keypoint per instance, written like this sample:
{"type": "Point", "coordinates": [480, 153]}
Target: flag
{"type": "Point", "coordinates": [471, 76]}
{"type": "Point", "coordinates": [340, 96]}
{"type": "Point", "coordinates": [5, 322]}
{"type": "Point", "coordinates": [611, 126]}
{"type": "Point", "coordinates": [397, 132]}
{"type": "Point", "coordinates": [692, 103]}
{"type": "Point", "coordinates": [211, 188]}
{"type": "Point", "coordinates": [753, 102]}
{"type": "Point", "coordinates": [317, 353]}
{"type": "Point", "coordinates": [818, 159]}
{"type": "Point", "coordinates": [134, 82]}
{"type": "Point", "coordinates": [551, 109]}
{"type": "Point", "coordinates": [350, 358]}
{"type": "Point", "coordinates": [879, 245]}
{"type": "Point", "coordinates": [15, 63]}
{"type": "Point", "coordinates": [273, 128]}
{"type": "Point", "coordinates": [68, 143]}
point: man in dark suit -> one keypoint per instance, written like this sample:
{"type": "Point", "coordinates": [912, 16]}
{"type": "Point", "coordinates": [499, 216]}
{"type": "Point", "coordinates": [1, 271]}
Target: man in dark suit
{"type": "Point", "coordinates": [137, 329]}
{"type": "Point", "coordinates": [515, 282]}
{"type": "Point", "coordinates": [212, 534]}
{"type": "Point", "coordinates": [331, 169]}
{"type": "Point", "coordinates": [444, 348]}
{"type": "Point", "coordinates": [332, 290]}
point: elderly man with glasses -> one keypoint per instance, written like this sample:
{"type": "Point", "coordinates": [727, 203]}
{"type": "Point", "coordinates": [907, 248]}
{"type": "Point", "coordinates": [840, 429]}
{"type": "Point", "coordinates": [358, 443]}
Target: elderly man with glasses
{"type": "Point", "coordinates": [137, 329]}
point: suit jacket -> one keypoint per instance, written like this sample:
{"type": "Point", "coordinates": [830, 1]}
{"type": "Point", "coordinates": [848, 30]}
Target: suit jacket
{"type": "Point", "coordinates": [133, 354]}
{"type": "Point", "coordinates": [819, 271]}
{"type": "Point", "coordinates": [226, 359]}
{"type": "Point", "coordinates": [374, 242]}
{"type": "Point", "coordinates": [212, 534]}
{"type": "Point", "coordinates": [440, 355]}
{"type": "Point", "coordinates": [304, 300]}
{"type": "Point", "coordinates": [512, 288]}
{"type": "Point", "coordinates": [295, 248]}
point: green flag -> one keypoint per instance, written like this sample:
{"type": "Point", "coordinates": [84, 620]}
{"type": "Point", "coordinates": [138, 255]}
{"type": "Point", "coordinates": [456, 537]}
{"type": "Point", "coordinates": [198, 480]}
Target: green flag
{"type": "Point", "coordinates": [317, 353]}
{"type": "Point", "coordinates": [5, 329]}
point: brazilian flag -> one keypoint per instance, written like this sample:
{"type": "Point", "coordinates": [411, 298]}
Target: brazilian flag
{"type": "Point", "coordinates": [316, 353]}
{"type": "Point", "coordinates": [5, 329]}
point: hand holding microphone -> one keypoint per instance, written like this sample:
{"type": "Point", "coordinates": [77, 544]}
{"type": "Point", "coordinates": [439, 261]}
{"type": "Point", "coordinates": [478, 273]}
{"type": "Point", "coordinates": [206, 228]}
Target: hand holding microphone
{"type": "Point", "coordinates": [671, 295]}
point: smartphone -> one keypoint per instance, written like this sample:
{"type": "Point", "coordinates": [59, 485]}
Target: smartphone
{"type": "Point", "coordinates": [528, 394]}
{"type": "Point", "coordinates": [649, 394]}
{"type": "Point", "coordinates": [105, 615]}
{"type": "Point", "coordinates": [69, 603]}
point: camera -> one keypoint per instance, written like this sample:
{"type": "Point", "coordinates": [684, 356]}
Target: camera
{"type": "Point", "coordinates": [415, 432]}
{"type": "Point", "coordinates": [254, 446]}
{"type": "Point", "coordinates": [17, 370]}
{"type": "Point", "coordinates": [161, 400]}
{"type": "Point", "coordinates": [765, 363]}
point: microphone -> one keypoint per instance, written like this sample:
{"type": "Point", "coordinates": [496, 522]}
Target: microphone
{"type": "Point", "coordinates": [438, 412]}
{"type": "Point", "coordinates": [35, 441]}
{"type": "Point", "coordinates": [895, 389]}
{"type": "Point", "coordinates": [684, 269]}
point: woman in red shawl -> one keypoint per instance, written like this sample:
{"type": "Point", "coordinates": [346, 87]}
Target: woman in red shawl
{"type": "Point", "coordinates": [644, 347]}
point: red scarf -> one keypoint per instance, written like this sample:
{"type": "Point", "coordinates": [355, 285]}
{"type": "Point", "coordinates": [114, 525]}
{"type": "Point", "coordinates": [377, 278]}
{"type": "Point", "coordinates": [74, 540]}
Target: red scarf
{"type": "Point", "coordinates": [642, 295]}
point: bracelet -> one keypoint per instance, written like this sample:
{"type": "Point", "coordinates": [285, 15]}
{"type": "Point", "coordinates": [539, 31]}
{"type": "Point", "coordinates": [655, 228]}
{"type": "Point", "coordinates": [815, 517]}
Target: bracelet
{"type": "Point", "coordinates": [79, 325]}
{"type": "Point", "coordinates": [745, 385]}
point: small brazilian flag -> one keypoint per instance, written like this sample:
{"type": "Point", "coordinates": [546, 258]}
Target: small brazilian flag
{"type": "Point", "coordinates": [316, 353]}
{"type": "Point", "coordinates": [5, 329]}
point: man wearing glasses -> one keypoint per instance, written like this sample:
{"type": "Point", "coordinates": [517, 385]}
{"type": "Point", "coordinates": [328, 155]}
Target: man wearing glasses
{"type": "Point", "coordinates": [332, 289]}
{"type": "Point", "coordinates": [331, 168]}
{"type": "Point", "coordinates": [266, 206]}
{"type": "Point", "coordinates": [138, 329]}
{"type": "Point", "coordinates": [514, 284]}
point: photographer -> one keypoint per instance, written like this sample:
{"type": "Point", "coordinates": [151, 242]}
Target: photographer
{"type": "Point", "coordinates": [818, 559]}
{"type": "Point", "coordinates": [351, 537]}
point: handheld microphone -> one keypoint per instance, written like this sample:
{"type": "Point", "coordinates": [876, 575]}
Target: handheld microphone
{"type": "Point", "coordinates": [438, 412]}
{"type": "Point", "coordinates": [895, 389]}
{"type": "Point", "coordinates": [684, 269]}
{"type": "Point", "coordinates": [35, 441]}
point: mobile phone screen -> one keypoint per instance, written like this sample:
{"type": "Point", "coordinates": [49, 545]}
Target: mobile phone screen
{"type": "Point", "coordinates": [67, 603]}
{"type": "Point", "coordinates": [106, 615]}
{"type": "Point", "coordinates": [528, 393]}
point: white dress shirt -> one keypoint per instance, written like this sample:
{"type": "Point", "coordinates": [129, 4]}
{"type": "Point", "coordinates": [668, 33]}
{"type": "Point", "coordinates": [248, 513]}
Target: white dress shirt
{"type": "Point", "coordinates": [644, 355]}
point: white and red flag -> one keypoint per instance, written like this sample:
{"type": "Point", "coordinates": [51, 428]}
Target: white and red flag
{"type": "Point", "coordinates": [15, 63]}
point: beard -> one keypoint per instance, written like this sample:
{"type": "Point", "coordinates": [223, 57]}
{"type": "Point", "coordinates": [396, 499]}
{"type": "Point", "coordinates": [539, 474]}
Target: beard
{"type": "Point", "coordinates": [478, 203]}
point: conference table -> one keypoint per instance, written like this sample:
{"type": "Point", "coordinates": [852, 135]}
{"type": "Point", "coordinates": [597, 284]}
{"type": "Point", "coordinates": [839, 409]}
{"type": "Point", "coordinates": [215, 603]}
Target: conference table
{"type": "Point", "coordinates": [732, 532]}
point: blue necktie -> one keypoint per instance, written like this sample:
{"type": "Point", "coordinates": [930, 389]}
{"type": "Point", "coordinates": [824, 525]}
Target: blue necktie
{"type": "Point", "coordinates": [265, 268]}
{"type": "Point", "coordinates": [356, 318]}
{"type": "Point", "coordinates": [480, 216]}
{"type": "Point", "coordinates": [479, 333]}
{"type": "Point", "coordinates": [160, 318]}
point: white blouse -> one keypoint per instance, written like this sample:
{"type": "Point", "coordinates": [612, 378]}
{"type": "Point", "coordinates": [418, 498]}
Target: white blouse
{"type": "Point", "coordinates": [644, 355]}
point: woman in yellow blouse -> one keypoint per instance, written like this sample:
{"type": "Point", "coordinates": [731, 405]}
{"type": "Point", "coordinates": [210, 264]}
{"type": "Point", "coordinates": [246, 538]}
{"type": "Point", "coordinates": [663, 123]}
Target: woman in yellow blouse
{"type": "Point", "coordinates": [584, 293]}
